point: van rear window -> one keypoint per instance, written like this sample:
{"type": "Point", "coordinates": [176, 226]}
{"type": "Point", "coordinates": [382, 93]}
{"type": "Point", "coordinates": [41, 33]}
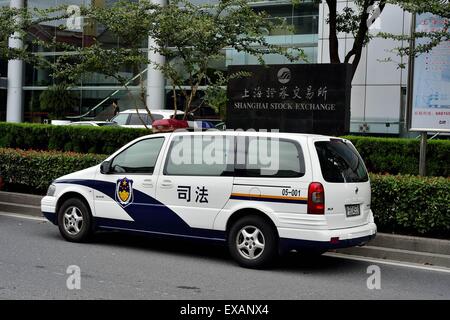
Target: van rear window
{"type": "Point", "coordinates": [340, 162]}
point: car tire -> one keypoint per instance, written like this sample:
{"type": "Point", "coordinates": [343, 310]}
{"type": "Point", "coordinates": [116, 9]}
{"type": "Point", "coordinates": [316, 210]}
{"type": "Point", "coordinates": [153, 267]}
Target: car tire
{"type": "Point", "coordinates": [253, 242]}
{"type": "Point", "coordinates": [75, 220]}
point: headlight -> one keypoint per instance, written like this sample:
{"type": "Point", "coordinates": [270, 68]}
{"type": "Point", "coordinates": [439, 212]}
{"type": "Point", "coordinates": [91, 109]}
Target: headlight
{"type": "Point", "coordinates": [51, 190]}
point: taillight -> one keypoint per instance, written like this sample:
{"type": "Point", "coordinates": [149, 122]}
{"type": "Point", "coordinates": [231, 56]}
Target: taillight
{"type": "Point", "coordinates": [316, 198]}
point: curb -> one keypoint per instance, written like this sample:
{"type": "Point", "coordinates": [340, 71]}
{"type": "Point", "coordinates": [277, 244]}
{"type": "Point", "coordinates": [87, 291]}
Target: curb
{"type": "Point", "coordinates": [20, 203]}
{"type": "Point", "coordinates": [21, 198]}
{"type": "Point", "coordinates": [411, 243]}
{"type": "Point", "coordinates": [424, 258]}
{"type": "Point", "coordinates": [419, 250]}
{"type": "Point", "coordinates": [426, 251]}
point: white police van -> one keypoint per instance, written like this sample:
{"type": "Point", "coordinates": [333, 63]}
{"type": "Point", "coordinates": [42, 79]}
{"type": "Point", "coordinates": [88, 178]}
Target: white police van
{"type": "Point", "coordinates": [260, 193]}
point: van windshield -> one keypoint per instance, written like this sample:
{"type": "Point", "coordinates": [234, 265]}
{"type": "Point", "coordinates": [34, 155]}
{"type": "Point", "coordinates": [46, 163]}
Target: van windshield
{"type": "Point", "coordinates": [340, 162]}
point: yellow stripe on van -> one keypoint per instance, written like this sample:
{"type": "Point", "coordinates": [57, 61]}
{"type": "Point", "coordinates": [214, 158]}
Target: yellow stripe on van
{"type": "Point", "coordinates": [265, 196]}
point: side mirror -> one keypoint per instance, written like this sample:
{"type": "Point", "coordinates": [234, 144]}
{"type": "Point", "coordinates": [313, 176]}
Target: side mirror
{"type": "Point", "coordinates": [105, 167]}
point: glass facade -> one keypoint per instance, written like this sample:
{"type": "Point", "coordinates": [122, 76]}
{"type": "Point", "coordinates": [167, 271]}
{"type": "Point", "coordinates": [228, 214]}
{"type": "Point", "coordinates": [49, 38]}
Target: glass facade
{"type": "Point", "coordinates": [94, 89]}
{"type": "Point", "coordinates": [302, 21]}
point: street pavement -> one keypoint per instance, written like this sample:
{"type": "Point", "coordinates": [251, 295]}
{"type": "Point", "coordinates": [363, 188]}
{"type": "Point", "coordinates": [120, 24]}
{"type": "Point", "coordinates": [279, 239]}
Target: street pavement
{"type": "Point", "coordinates": [34, 260]}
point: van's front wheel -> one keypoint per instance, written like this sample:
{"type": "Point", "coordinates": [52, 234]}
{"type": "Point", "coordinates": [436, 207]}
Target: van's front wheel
{"type": "Point", "coordinates": [74, 220]}
{"type": "Point", "coordinates": [252, 242]}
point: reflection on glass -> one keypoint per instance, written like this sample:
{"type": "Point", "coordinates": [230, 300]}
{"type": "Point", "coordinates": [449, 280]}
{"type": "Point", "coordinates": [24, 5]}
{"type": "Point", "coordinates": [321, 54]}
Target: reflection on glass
{"type": "Point", "coordinates": [302, 20]}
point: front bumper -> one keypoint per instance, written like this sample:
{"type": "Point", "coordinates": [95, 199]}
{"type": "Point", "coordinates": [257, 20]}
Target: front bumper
{"type": "Point", "coordinates": [322, 239]}
{"type": "Point", "coordinates": [48, 208]}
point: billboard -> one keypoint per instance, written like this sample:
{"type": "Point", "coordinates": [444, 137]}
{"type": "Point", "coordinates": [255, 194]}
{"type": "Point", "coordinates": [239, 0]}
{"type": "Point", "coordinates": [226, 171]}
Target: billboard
{"type": "Point", "coordinates": [306, 98]}
{"type": "Point", "coordinates": [430, 107]}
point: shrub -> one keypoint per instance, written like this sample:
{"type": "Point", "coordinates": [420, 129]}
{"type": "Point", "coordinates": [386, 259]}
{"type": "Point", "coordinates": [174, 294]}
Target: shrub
{"type": "Point", "coordinates": [33, 171]}
{"type": "Point", "coordinates": [381, 155]}
{"type": "Point", "coordinates": [401, 156]}
{"type": "Point", "coordinates": [101, 140]}
{"type": "Point", "coordinates": [57, 100]}
{"type": "Point", "coordinates": [412, 205]}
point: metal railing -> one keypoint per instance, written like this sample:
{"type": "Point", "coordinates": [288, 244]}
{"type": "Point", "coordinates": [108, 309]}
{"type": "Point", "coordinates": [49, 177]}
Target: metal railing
{"type": "Point", "coordinates": [97, 106]}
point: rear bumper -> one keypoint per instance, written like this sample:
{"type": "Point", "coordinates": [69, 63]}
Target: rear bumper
{"type": "Point", "coordinates": [321, 239]}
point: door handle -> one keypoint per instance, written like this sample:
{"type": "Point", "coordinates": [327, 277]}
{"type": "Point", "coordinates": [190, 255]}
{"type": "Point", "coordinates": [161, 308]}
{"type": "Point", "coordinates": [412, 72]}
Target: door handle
{"type": "Point", "coordinates": [166, 184]}
{"type": "Point", "coordinates": [147, 183]}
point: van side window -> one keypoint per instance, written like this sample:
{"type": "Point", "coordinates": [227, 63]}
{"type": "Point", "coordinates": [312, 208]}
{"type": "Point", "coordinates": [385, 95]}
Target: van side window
{"type": "Point", "coordinates": [340, 162]}
{"type": "Point", "coordinates": [270, 158]}
{"type": "Point", "coordinates": [200, 155]}
{"type": "Point", "coordinates": [139, 158]}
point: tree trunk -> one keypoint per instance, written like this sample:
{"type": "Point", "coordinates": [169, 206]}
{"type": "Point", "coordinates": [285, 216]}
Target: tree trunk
{"type": "Point", "coordinates": [333, 40]}
{"type": "Point", "coordinates": [358, 44]}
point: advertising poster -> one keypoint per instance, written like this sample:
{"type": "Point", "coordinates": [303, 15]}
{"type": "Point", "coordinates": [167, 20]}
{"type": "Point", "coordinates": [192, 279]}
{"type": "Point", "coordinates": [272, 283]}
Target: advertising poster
{"type": "Point", "coordinates": [431, 84]}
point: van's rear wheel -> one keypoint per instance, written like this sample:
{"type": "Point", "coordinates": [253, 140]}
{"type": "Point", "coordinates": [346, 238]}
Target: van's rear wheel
{"type": "Point", "coordinates": [74, 220]}
{"type": "Point", "coordinates": [252, 242]}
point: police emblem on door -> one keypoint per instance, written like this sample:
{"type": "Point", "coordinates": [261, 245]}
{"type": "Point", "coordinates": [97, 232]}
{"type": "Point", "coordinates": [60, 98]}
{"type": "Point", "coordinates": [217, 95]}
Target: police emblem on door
{"type": "Point", "coordinates": [124, 191]}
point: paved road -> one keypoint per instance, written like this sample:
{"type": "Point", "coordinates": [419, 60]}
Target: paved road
{"type": "Point", "coordinates": [34, 260]}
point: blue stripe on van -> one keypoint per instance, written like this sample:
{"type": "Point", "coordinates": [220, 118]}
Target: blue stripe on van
{"type": "Point", "coordinates": [149, 215]}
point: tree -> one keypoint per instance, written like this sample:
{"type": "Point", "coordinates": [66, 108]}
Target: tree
{"type": "Point", "coordinates": [357, 21]}
{"type": "Point", "coordinates": [189, 36]}
{"type": "Point", "coordinates": [431, 38]}
{"type": "Point", "coordinates": [57, 100]}
{"type": "Point", "coordinates": [17, 22]}
{"type": "Point", "coordinates": [192, 36]}
{"type": "Point", "coordinates": [354, 21]}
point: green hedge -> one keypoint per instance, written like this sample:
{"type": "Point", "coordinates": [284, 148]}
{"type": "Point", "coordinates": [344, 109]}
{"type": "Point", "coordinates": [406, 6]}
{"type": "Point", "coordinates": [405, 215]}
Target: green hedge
{"type": "Point", "coordinates": [101, 140]}
{"type": "Point", "coordinates": [33, 171]}
{"type": "Point", "coordinates": [401, 204]}
{"type": "Point", "coordinates": [401, 156]}
{"type": "Point", "coordinates": [412, 205]}
{"type": "Point", "coordinates": [381, 155]}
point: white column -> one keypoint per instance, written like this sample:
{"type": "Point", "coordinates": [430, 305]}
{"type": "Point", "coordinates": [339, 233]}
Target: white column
{"type": "Point", "coordinates": [14, 106]}
{"type": "Point", "coordinates": [155, 79]}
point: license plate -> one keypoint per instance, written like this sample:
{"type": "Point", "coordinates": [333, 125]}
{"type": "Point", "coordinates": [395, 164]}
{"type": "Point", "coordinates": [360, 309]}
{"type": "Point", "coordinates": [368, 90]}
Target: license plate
{"type": "Point", "coordinates": [352, 210]}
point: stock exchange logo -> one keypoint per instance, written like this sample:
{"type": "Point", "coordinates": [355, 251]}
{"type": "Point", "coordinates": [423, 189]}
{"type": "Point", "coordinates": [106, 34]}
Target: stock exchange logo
{"type": "Point", "coordinates": [284, 75]}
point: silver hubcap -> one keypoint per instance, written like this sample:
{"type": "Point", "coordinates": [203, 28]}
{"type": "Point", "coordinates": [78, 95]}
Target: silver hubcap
{"type": "Point", "coordinates": [250, 242]}
{"type": "Point", "coordinates": [73, 220]}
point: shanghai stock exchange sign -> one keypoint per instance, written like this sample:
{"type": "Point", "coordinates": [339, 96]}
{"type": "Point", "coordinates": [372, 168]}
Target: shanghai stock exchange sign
{"type": "Point", "coordinates": [307, 98]}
